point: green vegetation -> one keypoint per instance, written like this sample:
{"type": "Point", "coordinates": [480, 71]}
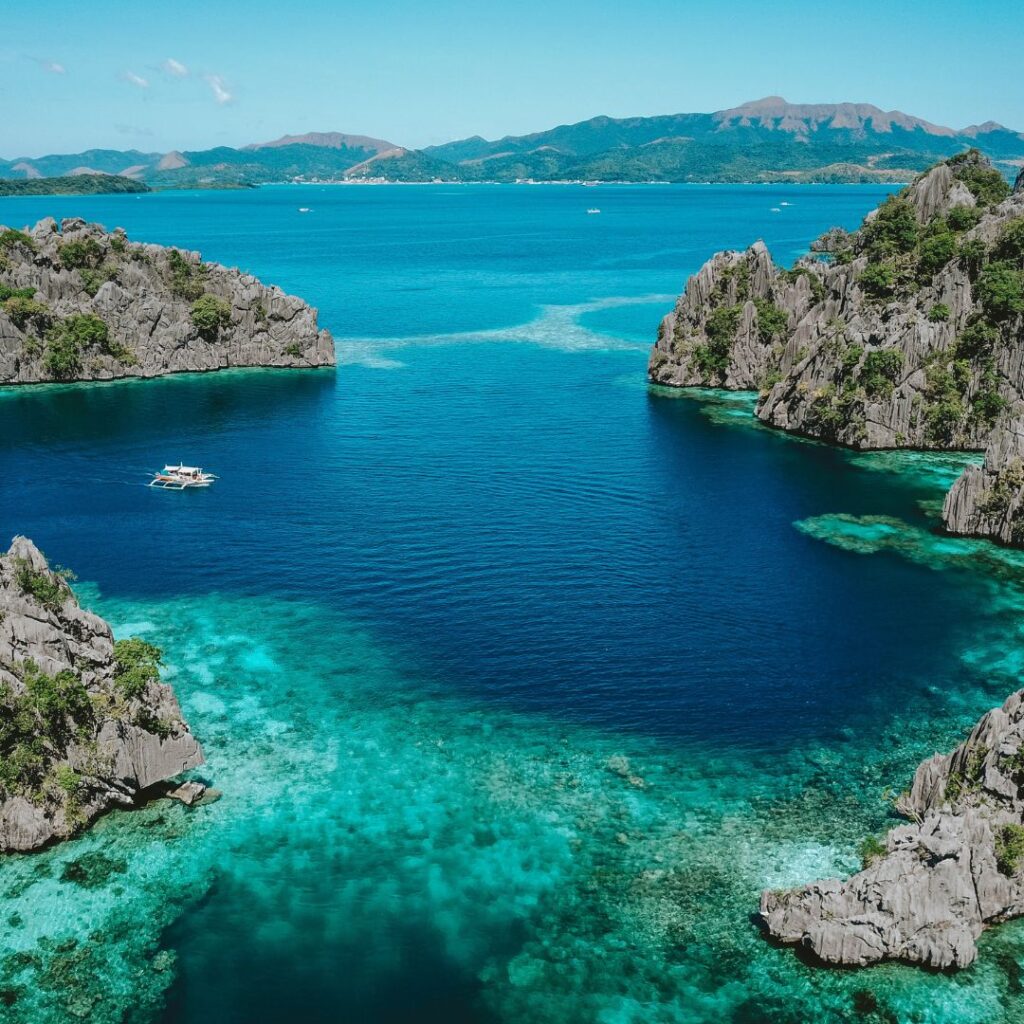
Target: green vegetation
{"type": "Point", "coordinates": [94, 278]}
{"type": "Point", "coordinates": [985, 183]}
{"type": "Point", "coordinates": [963, 218]}
{"type": "Point", "coordinates": [878, 280]}
{"type": "Point", "coordinates": [831, 411]}
{"type": "Point", "coordinates": [995, 504]}
{"type": "Point", "coordinates": [1009, 848]}
{"type": "Point", "coordinates": [1013, 763]}
{"type": "Point", "coordinates": [293, 350]}
{"type": "Point", "coordinates": [209, 314]}
{"type": "Point", "coordinates": [939, 313]}
{"type": "Point", "coordinates": [892, 231]}
{"type": "Point", "coordinates": [987, 403]}
{"type": "Point", "coordinates": [1001, 291]}
{"type": "Point", "coordinates": [971, 255]}
{"type": "Point", "coordinates": [977, 338]}
{"type": "Point", "coordinates": [36, 727]}
{"type": "Point", "coordinates": [1009, 246]}
{"type": "Point", "coordinates": [771, 321]}
{"type": "Point", "coordinates": [934, 253]}
{"type": "Point", "coordinates": [880, 372]}
{"type": "Point", "coordinates": [967, 780]}
{"type": "Point", "coordinates": [137, 664]}
{"type": "Point", "coordinates": [945, 413]}
{"type": "Point", "coordinates": [70, 337]}
{"type": "Point", "coordinates": [816, 283]}
{"type": "Point", "coordinates": [7, 292]}
{"type": "Point", "coordinates": [24, 310]}
{"type": "Point", "coordinates": [9, 238]}
{"type": "Point", "coordinates": [78, 253]}
{"type": "Point", "coordinates": [870, 849]}
{"type": "Point", "coordinates": [186, 278]}
{"type": "Point", "coordinates": [720, 328]}
{"type": "Point", "coordinates": [738, 273]}
{"type": "Point", "coordinates": [49, 589]}
{"type": "Point", "coordinates": [74, 184]}
{"type": "Point", "coordinates": [851, 357]}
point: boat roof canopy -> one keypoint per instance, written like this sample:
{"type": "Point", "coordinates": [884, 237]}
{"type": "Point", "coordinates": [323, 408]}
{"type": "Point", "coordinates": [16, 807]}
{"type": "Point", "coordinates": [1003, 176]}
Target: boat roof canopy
{"type": "Point", "coordinates": [182, 469]}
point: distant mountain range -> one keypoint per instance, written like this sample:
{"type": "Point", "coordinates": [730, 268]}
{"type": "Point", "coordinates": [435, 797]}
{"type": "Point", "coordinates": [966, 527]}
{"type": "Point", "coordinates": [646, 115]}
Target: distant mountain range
{"type": "Point", "coordinates": [764, 140]}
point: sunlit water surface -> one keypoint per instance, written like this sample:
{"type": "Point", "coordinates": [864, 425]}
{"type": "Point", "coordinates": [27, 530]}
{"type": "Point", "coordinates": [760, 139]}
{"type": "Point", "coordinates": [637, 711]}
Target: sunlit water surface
{"type": "Point", "coordinates": [520, 679]}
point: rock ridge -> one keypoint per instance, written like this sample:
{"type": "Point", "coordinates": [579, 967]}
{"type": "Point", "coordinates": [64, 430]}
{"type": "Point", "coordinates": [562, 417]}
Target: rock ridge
{"type": "Point", "coordinates": [80, 303]}
{"type": "Point", "coordinates": [908, 333]}
{"type": "Point", "coordinates": [85, 724]}
{"type": "Point", "coordinates": [931, 887]}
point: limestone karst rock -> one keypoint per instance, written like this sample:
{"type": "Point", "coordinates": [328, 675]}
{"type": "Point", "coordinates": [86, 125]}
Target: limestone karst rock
{"type": "Point", "coordinates": [140, 301]}
{"type": "Point", "coordinates": [957, 868]}
{"type": "Point", "coordinates": [908, 333]}
{"type": "Point", "coordinates": [75, 738]}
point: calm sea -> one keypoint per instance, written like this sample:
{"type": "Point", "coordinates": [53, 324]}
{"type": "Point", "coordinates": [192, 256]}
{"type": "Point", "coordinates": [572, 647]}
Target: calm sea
{"type": "Point", "coordinates": [520, 679]}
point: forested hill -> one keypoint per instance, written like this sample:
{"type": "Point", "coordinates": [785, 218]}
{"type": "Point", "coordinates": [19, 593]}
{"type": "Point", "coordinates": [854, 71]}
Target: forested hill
{"type": "Point", "coordinates": [765, 140]}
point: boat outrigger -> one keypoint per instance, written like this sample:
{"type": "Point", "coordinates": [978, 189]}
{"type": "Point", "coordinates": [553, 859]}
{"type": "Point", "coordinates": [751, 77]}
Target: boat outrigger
{"type": "Point", "coordinates": [177, 478]}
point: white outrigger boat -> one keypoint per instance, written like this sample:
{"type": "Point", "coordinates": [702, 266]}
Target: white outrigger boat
{"type": "Point", "coordinates": [177, 478]}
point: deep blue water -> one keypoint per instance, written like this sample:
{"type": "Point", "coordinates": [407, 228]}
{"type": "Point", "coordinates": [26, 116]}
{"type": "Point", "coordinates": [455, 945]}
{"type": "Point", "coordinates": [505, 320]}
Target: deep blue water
{"type": "Point", "coordinates": [487, 488]}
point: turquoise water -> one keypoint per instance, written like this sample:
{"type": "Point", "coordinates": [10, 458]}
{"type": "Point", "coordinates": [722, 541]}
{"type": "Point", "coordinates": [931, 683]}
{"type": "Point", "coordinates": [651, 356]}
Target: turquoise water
{"type": "Point", "coordinates": [520, 679]}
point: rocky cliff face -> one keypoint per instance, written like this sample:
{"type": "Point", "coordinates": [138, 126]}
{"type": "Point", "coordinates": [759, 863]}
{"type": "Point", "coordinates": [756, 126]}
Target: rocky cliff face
{"type": "Point", "coordinates": [906, 333]}
{"type": "Point", "coordinates": [933, 886]}
{"type": "Point", "coordinates": [81, 304]}
{"type": "Point", "coordinates": [85, 725]}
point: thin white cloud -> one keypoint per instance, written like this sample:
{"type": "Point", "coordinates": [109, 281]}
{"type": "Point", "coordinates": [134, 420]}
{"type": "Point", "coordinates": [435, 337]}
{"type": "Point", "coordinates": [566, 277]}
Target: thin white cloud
{"type": "Point", "coordinates": [134, 79]}
{"type": "Point", "coordinates": [174, 68]}
{"type": "Point", "coordinates": [218, 88]}
{"type": "Point", "coordinates": [132, 129]}
{"type": "Point", "coordinates": [53, 67]}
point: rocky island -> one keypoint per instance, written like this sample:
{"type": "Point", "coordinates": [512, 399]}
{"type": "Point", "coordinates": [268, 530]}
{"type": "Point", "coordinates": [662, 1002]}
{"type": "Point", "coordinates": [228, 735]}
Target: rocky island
{"type": "Point", "coordinates": [931, 887]}
{"type": "Point", "coordinates": [907, 333]}
{"type": "Point", "coordinates": [85, 722]}
{"type": "Point", "coordinates": [79, 303]}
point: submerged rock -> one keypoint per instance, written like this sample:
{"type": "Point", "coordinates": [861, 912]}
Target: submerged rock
{"type": "Point", "coordinates": [908, 333]}
{"type": "Point", "coordinates": [85, 725]}
{"type": "Point", "coordinates": [931, 887]}
{"type": "Point", "coordinates": [80, 303]}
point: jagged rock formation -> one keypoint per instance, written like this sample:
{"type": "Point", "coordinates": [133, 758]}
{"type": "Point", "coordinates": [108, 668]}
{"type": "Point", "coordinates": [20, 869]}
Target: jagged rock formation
{"type": "Point", "coordinates": [82, 304]}
{"type": "Point", "coordinates": [906, 333]}
{"type": "Point", "coordinates": [85, 725]}
{"type": "Point", "coordinates": [930, 890]}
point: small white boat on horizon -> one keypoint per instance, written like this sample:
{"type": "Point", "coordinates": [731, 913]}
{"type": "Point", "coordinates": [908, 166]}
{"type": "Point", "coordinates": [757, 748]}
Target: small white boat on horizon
{"type": "Point", "coordinates": [593, 209]}
{"type": "Point", "coordinates": [177, 478]}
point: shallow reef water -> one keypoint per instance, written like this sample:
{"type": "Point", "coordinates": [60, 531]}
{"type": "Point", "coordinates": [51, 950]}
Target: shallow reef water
{"type": "Point", "coordinates": [555, 874]}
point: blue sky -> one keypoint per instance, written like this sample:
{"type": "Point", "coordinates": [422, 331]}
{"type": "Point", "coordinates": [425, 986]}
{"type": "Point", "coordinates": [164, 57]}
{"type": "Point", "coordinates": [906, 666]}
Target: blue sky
{"type": "Point", "coordinates": [189, 75]}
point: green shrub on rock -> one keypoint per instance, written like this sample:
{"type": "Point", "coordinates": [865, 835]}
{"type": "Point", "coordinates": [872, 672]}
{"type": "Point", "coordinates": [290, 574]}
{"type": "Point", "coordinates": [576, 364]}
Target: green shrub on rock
{"type": "Point", "coordinates": [880, 372]}
{"type": "Point", "coordinates": [1009, 246]}
{"type": "Point", "coordinates": [939, 313]}
{"type": "Point", "coordinates": [136, 666]}
{"type": "Point", "coordinates": [80, 253]}
{"type": "Point", "coordinates": [68, 339]}
{"type": "Point", "coordinates": [893, 229]}
{"type": "Point", "coordinates": [934, 253]}
{"type": "Point", "coordinates": [963, 218]}
{"type": "Point", "coordinates": [985, 183]}
{"type": "Point", "coordinates": [209, 314]}
{"type": "Point", "coordinates": [186, 278]}
{"type": "Point", "coordinates": [9, 238]}
{"type": "Point", "coordinates": [878, 280]}
{"type": "Point", "coordinates": [1001, 291]}
{"type": "Point", "coordinates": [23, 310]}
{"type": "Point", "coordinates": [771, 321]}
{"type": "Point", "coordinates": [1010, 848]}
